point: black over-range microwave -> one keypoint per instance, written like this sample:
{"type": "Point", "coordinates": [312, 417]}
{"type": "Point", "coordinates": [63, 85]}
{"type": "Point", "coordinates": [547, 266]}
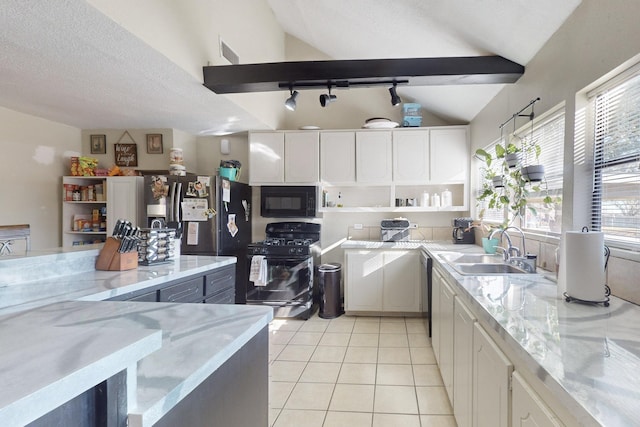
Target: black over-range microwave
{"type": "Point", "coordinates": [282, 201]}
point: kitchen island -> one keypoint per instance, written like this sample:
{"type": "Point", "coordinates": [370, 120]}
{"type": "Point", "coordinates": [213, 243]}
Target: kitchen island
{"type": "Point", "coordinates": [213, 359]}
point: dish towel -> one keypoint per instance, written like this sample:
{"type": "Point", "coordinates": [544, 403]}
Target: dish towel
{"type": "Point", "coordinates": [258, 272]}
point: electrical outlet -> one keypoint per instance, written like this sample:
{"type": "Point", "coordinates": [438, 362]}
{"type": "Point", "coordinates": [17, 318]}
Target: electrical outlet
{"type": "Point", "coordinates": [357, 226]}
{"type": "Point", "coordinates": [413, 225]}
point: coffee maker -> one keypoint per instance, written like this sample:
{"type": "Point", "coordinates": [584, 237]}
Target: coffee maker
{"type": "Point", "coordinates": [462, 231]}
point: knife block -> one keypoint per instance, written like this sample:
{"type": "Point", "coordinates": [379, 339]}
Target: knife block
{"type": "Point", "coordinates": [110, 259]}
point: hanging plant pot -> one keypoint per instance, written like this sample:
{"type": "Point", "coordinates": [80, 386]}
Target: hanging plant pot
{"type": "Point", "coordinates": [497, 182]}
{"type": "Point", "coordinates": [533, 173]}
{"type": "Point", "coordinates": [512, 159]}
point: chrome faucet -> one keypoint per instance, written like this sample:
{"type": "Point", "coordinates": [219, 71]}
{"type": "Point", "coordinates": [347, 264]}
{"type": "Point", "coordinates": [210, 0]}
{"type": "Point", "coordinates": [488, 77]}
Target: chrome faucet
{"type": "Point", "coordinates": [510, 250]}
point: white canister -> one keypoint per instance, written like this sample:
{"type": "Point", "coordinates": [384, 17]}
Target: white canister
{"type": "Point", "coordinates": [425, 199]}
{"type": "Point", "coordinates": [176, 156]}
{"type": "Point", "coordinates": [446, 198]}
{"type": "Point", "coordinates": [435, 201]}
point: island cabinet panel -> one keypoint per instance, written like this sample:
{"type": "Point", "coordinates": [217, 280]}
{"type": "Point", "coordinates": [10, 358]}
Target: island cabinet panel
{"type": "Point", "coordinates": [146, 297]}
{"type": "Point", "coordinates": [188, 291]}
{"type": "Point", "coordinates": [219, 286]}
{"type": "Point", "coordinates": [236, 394]}
{"type": "Point", "coordinates": [104, 405]}
{"type": "Point", "coordinates": [215, 287]}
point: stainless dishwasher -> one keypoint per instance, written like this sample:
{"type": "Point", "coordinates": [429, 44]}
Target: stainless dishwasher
{"type": "Point", "coordinates": [425, 279]}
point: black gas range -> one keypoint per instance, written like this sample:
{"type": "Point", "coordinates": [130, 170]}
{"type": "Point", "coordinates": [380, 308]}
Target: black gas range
{"type": "Point", "coordinates": [281, 268]}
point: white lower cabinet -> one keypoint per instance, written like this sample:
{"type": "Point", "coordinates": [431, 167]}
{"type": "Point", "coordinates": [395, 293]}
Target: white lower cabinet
{"type": "Point", "coordinates": [364, 280]}
{"type": "Point", "coordinates": [463, 363]}
{"type": "Point", "coordinates": [527, 408]}
{"type": "Point", "coordinates": [382, 281]}
{"type": "Point", "coordinates": [491, 380]}
{"type": "Point", "coordinates": [447, 296]}
{"type": "Point", "coordinates": [436, 316]}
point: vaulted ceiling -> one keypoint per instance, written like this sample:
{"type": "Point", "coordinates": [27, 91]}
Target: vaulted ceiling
{"type": "Point", "coordinates": [71, 64]}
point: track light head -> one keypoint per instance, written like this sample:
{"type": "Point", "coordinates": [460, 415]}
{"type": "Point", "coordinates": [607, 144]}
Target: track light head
{"type": "Point", "coordinates": [327, 98]}
{"type": "Point", "coordinates": [395, 99]}
{"type": "Point", "coordinates": [290, 103]}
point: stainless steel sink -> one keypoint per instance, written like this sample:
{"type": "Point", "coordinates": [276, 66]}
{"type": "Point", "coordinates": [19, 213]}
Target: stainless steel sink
{"type": "Point", "coordinates": [480, 264]}
{"type": "Point", "coordinates": [460, 258]}
{"type": "Point", "coordinates": [484, 269]}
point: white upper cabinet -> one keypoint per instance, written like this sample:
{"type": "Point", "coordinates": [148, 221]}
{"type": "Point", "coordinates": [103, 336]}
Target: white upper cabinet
{"type": "Point", "coordinates": [338, 157]}
{"type": "Point", "coordinates": [266, 157]}
{"type": "Point", "coordinates": [449, 155]}
{"type": "Point", "coordinates": [301, 157]}
{"type": "Point", "coordinates": [411, 156]}
{"type": "Point", "coordinates": [283, 157]}
{"type": "Point", "coordinates": [373, 157]}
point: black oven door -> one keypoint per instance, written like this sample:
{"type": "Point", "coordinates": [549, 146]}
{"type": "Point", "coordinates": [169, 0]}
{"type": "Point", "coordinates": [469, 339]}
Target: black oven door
{"type": "Point", "coordinates": [288, 286]}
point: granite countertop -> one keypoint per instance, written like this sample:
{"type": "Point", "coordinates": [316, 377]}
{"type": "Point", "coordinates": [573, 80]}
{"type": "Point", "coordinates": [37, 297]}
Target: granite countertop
{"type": "Point", "coordinates": [97, 285]}
{"type": "Point", "coordinates": [196, 340]}
{"type": "Point", "coordinates": [587, 355]}
{"type": "Point", "coordinates": [76, 359]}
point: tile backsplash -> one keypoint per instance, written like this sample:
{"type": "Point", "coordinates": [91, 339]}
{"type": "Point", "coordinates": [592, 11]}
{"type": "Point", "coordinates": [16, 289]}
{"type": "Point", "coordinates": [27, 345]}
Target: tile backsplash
{"type": "Point", "coordinates": [622, 274]}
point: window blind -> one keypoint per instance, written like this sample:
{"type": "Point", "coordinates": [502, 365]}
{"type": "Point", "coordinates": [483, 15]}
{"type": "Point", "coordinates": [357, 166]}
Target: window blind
{"type": "Point", "coordinates": [488, 214]}
{"type": "Point", "coordinates": [549, 135]}
{"type": "Point", "coordinates": [616, 177]}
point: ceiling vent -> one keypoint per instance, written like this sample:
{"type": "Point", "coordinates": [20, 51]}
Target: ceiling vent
{"type": "Point", "coordinates": [228, 53]}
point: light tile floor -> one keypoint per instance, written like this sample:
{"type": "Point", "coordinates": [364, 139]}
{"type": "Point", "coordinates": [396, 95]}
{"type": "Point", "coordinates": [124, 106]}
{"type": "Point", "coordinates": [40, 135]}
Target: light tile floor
{"type": "Point", "coordinates": [355, 372]}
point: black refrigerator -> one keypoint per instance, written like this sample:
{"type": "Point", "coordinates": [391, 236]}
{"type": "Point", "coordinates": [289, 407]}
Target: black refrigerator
{"type": "Point", "coordinates": [212, 216]}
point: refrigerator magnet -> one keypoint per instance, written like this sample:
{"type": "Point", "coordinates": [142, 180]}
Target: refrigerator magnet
{"type": "Point", "coordinates": [192, 233]}
{"type": "Point", "coordinates": [231, 225]}
{"type": "Point", "coordinates": [226, 191]}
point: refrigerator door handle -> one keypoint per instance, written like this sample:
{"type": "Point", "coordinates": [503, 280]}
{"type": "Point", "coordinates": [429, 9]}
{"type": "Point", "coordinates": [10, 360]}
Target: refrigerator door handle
{"type": "Point", "coordinates": [172, 196]}
{"type": "Point", "coordinates": [176, 202]}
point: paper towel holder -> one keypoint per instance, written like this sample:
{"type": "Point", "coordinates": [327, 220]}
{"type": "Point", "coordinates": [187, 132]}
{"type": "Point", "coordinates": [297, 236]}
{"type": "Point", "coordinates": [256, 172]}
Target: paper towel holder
{"type": "Point", "coordinates": [607, 290]}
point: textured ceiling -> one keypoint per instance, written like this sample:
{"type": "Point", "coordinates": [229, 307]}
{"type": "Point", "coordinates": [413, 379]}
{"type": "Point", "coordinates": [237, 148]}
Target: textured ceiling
{"type": "Point", "coordinates": [67, 62]}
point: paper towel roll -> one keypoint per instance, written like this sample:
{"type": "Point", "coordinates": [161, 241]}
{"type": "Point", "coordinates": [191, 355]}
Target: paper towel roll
{"type": "Point", "coordinates": [582, 265]}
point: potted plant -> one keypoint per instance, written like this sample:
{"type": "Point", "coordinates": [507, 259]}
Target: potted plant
{"type": "Point", "coordinates": [515, 189]}
{"type": "Point", "coordinates": [489, 245]}
{"type": "Point", "coordinates": [532, 172]}
{"type": "Point", "coordinates": [513, 153]}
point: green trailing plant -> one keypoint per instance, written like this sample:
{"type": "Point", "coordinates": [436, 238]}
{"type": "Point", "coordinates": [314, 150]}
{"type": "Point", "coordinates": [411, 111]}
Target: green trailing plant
{"type": "Point", "coordinates": [516, 189]}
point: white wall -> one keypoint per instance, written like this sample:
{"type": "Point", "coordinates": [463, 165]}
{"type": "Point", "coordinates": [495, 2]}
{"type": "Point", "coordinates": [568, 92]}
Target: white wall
{"type": "Point", "coordinates": [35, 156]}
{"type": "Point", "coordinates": [188, 32]}
{"type": "Point", "coordinates": [597, 38]}
{"type": "Point", "coordinates": [137, 136]}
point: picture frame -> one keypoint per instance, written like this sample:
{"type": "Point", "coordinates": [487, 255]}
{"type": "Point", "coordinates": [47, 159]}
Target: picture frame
{"type": "Point", "coordinates": [154, 143]}
{"type": "Point", "coordinates": [126, 155]}
{"type": "Point", "coordinates": [98, 144]}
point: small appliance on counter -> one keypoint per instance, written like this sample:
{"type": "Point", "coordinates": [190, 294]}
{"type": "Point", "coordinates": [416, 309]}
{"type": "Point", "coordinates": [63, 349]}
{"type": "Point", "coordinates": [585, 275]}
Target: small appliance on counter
{"type": "Point", "coordinates": [394, 230]}
{"type": "Point", "coordinates": [462, 231]}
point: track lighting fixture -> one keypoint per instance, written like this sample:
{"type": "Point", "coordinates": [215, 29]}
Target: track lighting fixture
{"type": "Point", "coordinates": [327, 98]}
{"type": "Point", "coordinates": [290, 103]}
{"type": "Point", "coordinates": [395, 99]}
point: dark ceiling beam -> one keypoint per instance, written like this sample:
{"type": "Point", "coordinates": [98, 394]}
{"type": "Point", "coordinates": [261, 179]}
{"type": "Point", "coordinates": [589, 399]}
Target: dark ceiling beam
{"type": "Point", "coordinates": [274, 76]}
